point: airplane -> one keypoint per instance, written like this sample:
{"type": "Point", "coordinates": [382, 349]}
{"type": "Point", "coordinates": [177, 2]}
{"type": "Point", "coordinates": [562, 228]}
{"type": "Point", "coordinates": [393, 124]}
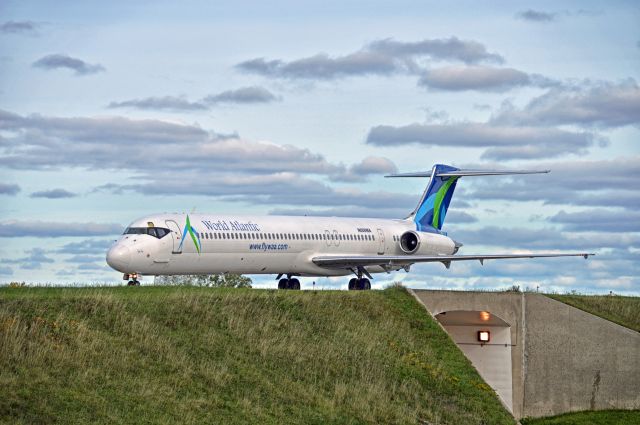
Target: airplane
{"type": "Point", "coordinates": [296, 246]}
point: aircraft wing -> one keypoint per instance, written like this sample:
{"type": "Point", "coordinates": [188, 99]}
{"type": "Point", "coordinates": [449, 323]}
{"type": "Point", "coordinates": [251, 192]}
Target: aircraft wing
{"type": "Point", "coordinates": [395, 261]}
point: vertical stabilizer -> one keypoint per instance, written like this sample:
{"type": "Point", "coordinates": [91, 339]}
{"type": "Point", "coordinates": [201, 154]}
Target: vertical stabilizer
{"type": "Point", "coordinates": [432, 209]}
{"type": "Point", "coordinates": [430, 213]}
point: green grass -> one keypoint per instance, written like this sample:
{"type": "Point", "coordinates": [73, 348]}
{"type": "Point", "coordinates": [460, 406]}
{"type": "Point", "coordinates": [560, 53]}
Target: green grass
{"type": "Point", "coordinates": [199, 355]}
{"type": "Point", "coordinates": [624, 311]}
{"type": "Point", "coordinates": [600, 417]}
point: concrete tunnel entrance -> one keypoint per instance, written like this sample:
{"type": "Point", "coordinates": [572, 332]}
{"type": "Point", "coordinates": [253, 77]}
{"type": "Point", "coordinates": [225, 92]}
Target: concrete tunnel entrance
{"type": "Point", "coordinates": [486, 341]}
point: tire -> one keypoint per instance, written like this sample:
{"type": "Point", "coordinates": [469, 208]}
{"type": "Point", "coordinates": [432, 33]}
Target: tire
{"type": "Point", "coordinates": [366, 284]}
{"type": "Point", "coordinates": [294, 284]}
{"type": "Point", "coordinates": [283, 283]}
{"type": "Point", "coordinates": [131, 283]}
{"type": "Point", "coordinates": [352, 284]}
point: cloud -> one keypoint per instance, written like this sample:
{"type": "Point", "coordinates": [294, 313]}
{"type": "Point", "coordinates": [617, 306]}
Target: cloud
{"type": "Point", "coordinates": [287, 189]}
{"type": "Point", "coordinates": [6, 271]}
{"type": "Point", "coordinates": [381, 211]}
{"type": "Point", "coordinates": [20, 27]}
{"type": "Point", "coordinates": [502, 142]}
{"type": "Point", "coordinates": [186, 160]}
{"type": "Point", "coordinates": [84, 259]}
{"type": "Point", "coordinates": [36, 142]}
{"type": "Point", "coordinates": [86, 246]}
{"type": "Point", "coordinates": [602, 104]}
{"type": "Point", "coordinates": [383, 58]}
{"type": "Point", "coordinates": [599, 220]}
{"type": "Point", "coordinates": [536, 16]}
{"type": "Point", "coordinates": [172, 103]}
{"type": "Point", "coordinates": [347, 211]}
{"type": "Point", "coordinates": [445, 49]}
{"type": "Point", "coordinates": [9, 189]}
{"type": "Point", "coordinates": [369, 165]}
{"type": "Point", "coordinates": [57, 61]}
{"type": "Point", "coordinates": [599, 183]}
{"type": "Point", "coordinates": [323, 67]}
{"type": "Point", "coordinates": [244, 95]}
{"type": "Point", "coordinates": [34, 260]}
{"type": "Point", "coordinates": [542, 238]}
{"type": "Point", "coordinates": [546, 17]}
{"type": "Point", "coordinates": [481, 78]}
{"type": "Point", "coordinates": [53, 194]}
{"type": "Point", "coordinates": [48, 229]}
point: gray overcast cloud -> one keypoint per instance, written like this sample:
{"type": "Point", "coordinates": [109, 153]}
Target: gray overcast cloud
{"type": "Point", "coordinates": [243, 95]}
{"type": "Point", "coordinates": [481, 78]}
{"type": "Point", "coordinates": [57, 61]}
{"type": "Point", "coordinates": [382, 57]}
{"type": "Point", "coordinates": [502, 142]}
{"type": "Point", "coordinates": [601, 104]}
{"type": "Point", "coordinates": [20, 27]}
{"type": "Point", "coordinates": [53, 194]}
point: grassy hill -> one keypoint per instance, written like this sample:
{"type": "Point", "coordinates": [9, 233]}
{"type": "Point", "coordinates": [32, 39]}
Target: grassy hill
{"type": "Point", "coordinates": [624, 311]}
{"type": "Point", "coordinates": [199, 355]}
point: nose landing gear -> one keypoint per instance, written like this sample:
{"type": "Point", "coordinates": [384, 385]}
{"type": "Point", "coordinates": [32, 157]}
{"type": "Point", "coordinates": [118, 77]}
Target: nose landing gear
{"type": "Point", "coordinates": [132, 278]}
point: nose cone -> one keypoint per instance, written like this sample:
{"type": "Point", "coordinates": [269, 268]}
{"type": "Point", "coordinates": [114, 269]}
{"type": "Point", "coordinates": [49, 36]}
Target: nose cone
{"type": "Point", "coordinates": [118, 258]}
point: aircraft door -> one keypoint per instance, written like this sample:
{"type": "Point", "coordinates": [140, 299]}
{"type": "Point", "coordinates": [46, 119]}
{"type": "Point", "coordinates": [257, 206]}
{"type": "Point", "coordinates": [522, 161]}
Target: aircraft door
{"type": "Point", "coordinates": [327, 236]}
{"type": "Point", "coordinates": [380, 242]}
{"type": "Point", "coordinates": [176, 236]}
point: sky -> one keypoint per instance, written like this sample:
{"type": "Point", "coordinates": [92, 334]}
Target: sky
{"type": "Point", "coordinates": [110, 113]}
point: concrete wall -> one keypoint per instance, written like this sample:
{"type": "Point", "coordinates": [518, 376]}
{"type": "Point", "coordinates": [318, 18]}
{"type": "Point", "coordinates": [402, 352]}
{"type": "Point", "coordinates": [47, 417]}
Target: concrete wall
{"type": "Point", "coordinates": [577, 361]}
{"type": "Point", "coordinates": [563, 359]}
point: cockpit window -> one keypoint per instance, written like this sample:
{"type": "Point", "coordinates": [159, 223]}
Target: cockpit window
{"type": "Point", "coordinates": [156, 232]}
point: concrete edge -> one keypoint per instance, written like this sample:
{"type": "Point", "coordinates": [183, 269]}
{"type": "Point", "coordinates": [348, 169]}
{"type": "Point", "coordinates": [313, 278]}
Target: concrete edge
{"type": "Point", "coordinates": [633, 331]}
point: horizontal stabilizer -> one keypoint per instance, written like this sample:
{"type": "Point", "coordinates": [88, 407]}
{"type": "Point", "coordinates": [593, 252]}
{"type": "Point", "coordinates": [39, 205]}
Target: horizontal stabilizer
{"type": "Point", "coordinates": [468, 173]}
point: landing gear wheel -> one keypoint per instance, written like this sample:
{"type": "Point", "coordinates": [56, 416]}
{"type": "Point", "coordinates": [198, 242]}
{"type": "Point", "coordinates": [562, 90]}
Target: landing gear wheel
{"type": "Point", "coordinates": [136, 283]}
{"type": "Point", "coordinates": [283, 283]}
{"type": "Point", "coordinates": [352, 284]}
{"type": "Point", "coordinates": [131, 283]}
{"type": "Point", "coordinates": [294, 284]}
{"type": "Point", "coordinates": [363, 284]}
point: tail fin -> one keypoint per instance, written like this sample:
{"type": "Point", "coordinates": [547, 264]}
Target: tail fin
{"type": "Point", "coordinates": [432, 209]}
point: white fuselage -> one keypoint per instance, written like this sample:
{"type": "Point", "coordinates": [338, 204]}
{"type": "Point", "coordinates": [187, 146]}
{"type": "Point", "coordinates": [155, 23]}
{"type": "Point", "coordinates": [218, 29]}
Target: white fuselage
{"type": "Point", "coordinates": [261, 244]}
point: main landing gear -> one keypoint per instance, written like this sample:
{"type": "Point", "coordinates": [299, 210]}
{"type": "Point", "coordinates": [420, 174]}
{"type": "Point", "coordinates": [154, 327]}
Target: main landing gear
{"type": "Point", "coordinates": [359, 284]}
{"type": "Point", "coordinates": [288, 283]}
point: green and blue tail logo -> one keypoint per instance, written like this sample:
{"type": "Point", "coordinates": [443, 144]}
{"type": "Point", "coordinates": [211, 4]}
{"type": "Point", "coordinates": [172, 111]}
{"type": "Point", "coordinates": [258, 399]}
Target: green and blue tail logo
{"type": "Point", "coordinates": [430, 214]}
{"type": "Point", "coordinates": [188, 228]}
